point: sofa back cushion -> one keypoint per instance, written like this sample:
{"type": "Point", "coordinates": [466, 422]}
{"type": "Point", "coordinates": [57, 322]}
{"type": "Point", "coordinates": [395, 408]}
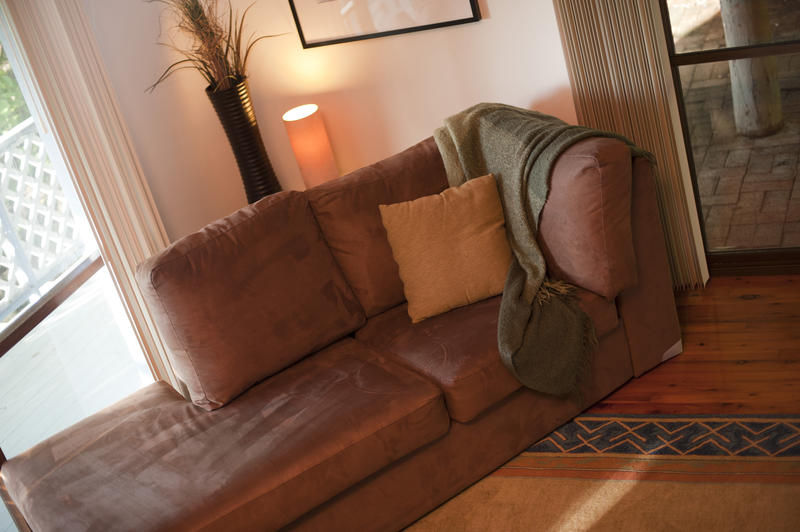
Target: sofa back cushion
{"type": "Point", "coordinates": [585, 226]}
{"type": "Point", "coordinates": [347, 211]}
{"type": "Point", "coordinates": [247, 296]}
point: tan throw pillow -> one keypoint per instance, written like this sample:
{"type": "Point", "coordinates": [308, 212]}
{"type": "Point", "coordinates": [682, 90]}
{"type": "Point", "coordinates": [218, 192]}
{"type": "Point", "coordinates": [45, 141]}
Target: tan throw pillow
{"type": "Point", "coordinates": [451, 248]}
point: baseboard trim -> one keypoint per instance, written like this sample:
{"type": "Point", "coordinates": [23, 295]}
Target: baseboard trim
{"type": "Point", "coordinates": [755, 262]}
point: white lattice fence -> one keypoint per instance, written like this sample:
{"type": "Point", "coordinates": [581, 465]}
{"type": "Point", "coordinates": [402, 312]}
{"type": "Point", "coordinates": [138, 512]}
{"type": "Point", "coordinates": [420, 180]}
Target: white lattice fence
{"type": "Point", "coordinates": [39, 237]}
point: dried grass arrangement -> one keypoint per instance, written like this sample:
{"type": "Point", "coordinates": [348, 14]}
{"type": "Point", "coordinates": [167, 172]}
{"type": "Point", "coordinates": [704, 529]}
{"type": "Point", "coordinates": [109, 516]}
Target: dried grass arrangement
{"type": "Point", "coordinates": [218, 48]}
{"type": "Point", "coordinates": [219, 51]}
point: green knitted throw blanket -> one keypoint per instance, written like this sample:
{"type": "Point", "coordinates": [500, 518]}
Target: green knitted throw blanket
{"type": "Point", "coordinates": [544, 338]}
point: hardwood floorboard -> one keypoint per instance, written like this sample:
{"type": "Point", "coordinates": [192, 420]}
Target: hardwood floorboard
{"type": "Point", "coordinates": [741, 339]}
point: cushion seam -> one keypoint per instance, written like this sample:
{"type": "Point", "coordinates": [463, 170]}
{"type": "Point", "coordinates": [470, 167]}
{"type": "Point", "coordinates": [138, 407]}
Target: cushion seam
{"type": "Point", "coordinates": [329, 249]}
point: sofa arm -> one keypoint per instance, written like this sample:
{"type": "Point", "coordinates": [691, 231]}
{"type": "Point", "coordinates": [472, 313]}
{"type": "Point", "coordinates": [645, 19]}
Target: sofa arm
{"type": "Point", "coordinates": [648, 309]}
{"type": "Point", "coordinates": [585, 226]}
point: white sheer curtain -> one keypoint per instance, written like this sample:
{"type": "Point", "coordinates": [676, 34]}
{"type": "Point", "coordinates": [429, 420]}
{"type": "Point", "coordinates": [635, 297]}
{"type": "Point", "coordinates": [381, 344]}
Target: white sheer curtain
{"type": "Point", "coordinates": [60, 65]}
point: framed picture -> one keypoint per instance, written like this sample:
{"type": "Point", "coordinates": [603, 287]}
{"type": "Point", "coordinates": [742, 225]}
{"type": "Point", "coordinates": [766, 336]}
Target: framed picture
{"type": "Point", "coordinates": [322, 22]}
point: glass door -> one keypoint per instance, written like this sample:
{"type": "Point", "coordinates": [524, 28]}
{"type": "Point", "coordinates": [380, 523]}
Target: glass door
{"type": "Point", "coordinates": [67, 348]}
{"type": "Point", "coordinates": [736, 65]}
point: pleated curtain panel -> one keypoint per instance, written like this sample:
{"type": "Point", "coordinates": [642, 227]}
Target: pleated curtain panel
{"type": "Point", "coordinates": [621, 81]}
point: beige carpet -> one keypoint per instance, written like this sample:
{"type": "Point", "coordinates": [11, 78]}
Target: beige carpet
{"type": "Point", "coordinates": [641, 473]}
{"type": "Point", "coordinates": [526, 504]}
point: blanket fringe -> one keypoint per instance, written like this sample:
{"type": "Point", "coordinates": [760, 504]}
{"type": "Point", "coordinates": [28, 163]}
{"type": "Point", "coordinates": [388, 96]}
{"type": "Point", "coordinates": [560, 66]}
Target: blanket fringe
{"type": "Point", "coordinates": [550, 288]}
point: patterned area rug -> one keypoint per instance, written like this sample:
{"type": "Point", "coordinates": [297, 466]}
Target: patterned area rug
{"type": "Point", "coordinates": [676, 436]}
{"type": "Point", "coordinates": [628, 472]}
{"type": "Point", "coordinates": [696, 449]}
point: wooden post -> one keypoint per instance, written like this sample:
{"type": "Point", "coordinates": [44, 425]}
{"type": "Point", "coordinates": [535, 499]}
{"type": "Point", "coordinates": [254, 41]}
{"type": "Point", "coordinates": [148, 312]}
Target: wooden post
{"type": "Point", "coordinates": [754, 82]}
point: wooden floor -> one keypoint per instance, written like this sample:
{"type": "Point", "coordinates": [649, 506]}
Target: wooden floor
{"type": "Point", "coordinates": [741, 339]}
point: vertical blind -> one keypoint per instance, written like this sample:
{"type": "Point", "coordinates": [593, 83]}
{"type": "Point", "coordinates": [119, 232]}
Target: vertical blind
{"type": "Point", "coordinates": [619, 69]}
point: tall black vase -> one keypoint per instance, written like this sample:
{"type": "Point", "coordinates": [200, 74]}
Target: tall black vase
{"type": "Point", "coordinates": [235, 111]}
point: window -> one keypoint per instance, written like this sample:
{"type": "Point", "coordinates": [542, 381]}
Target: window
{"type": "Point", "coordinates": [735, 66]}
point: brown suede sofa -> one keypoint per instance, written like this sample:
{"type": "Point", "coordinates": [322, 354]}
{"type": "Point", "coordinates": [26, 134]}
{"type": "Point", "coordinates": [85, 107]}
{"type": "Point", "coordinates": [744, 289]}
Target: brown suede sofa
{"type": "Point", "coordinates": [318, 404]}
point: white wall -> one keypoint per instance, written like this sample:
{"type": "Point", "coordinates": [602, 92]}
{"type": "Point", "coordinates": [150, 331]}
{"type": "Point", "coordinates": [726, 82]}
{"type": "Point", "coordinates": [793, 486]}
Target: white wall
{"type": "Point", "coordinates": [377, 96]}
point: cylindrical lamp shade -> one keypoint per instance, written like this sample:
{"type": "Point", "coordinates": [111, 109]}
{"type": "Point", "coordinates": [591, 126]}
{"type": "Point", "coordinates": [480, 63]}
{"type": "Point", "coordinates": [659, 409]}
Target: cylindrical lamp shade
{"type": "Point", "coordinates": [310, 144]}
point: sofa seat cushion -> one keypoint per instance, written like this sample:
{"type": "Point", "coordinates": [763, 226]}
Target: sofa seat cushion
{"type": "Point", "coordinates": [458, 349]}
{"type": "Point", "coordinates": [156, 462]}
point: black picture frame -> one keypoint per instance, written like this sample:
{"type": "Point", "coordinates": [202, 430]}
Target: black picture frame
{"type": "Point", "coordinates": [310, 42]}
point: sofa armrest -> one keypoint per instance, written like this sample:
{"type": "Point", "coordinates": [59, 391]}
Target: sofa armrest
{"type": "Point", "coordinates": [585, 225]}
{"type": "Point", "coordinates": [648, 309]}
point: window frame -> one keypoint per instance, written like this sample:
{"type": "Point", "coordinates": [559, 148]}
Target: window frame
{"type": "Point", "coordinates": [727, 262]}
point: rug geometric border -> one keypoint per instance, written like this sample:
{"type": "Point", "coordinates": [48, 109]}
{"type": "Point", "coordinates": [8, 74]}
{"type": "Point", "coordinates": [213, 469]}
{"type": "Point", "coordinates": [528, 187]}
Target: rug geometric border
{"type": "Point", "coordinates": [666, 435]}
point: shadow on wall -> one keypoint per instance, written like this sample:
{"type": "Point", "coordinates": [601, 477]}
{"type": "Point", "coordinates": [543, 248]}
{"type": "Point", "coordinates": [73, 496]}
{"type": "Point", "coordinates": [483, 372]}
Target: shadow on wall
{"type": "Point", "coordinates": [350, 109]}
{"type": "Point", "coordinates": [557, 103]}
